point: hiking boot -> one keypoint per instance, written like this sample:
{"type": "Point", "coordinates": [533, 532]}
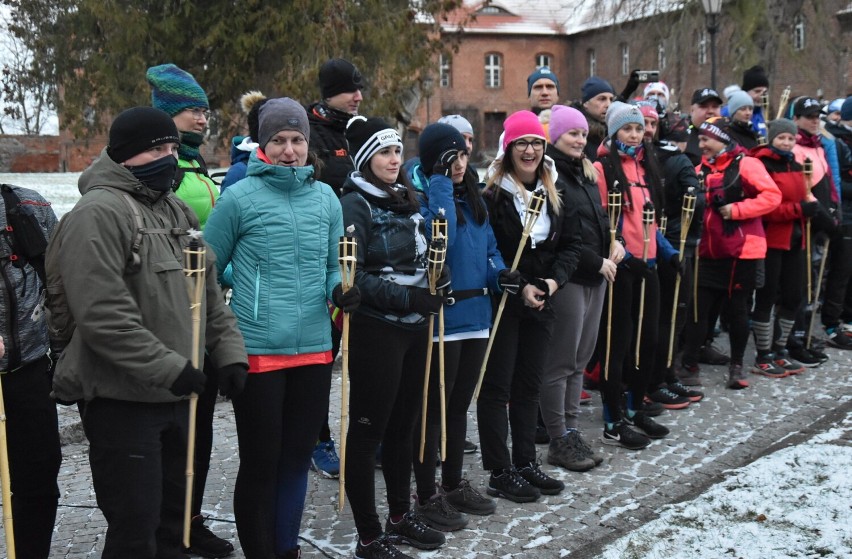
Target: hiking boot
{"type": "Point", "coordinates": [577, 439]}
{"type": "Point", "coordinates": [736, 377]}
{"type": "Point", "coordinates": [440, 515]}
{"type": "Point", "coordinates": [469, 447]}
{"type": "Point", "coordinates": [564, 452]}
{"type": "Point", "coordinates": [541, 436]}
{"type": "Point", "coordinates": [290, 554]}
{"type": "Point", "coordinates": [510, 485]}
{"type": "Point", "coordinates": [205, 543]}
{"type": "Point", "coordinates": [669, 399]}
{"type": "Point", "coordinates": [689, 375]}
{"type": "Point", "coordinates": [622, 435]}
{"type": "Point", "coordinates": [804, 356]}
{"type": "Point", "coordinates": [585, 398]}
{"type": "Point", "coordinates": [465, 498]}
{"type": "Point", "coordinates": [645, 424]}
{"type": "Point", "coordinates": [380, 548]}
{"type": "Point", "coordinates": [411, 530]}
{"type": "Point", "coordinates": [838, 338]}
{"type": "Point", "coordinates": [711, 355]}
{"type": "Point", "coordinates": [767, 366]}
{"type": "Point", "coordinates": [533, 473]}
{"type": "Point", "coordinates": [681, 390]}
{"type": "Point", "coordinates": [818, 354]}
{"type": "Point", "coordinates": [324, 460]}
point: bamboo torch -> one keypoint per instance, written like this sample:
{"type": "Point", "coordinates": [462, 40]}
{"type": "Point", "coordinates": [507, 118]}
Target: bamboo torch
{"type": "Point", "coordinates": [764, 104]}
{"type": "Point", "coordinates": [436, 258]}
{"type": "Point", "coordinates": [8, 524]}
{"type": "Point", "coordinates": [695, 262]}
{"type": "Point", "coordinates": [534, 207]}
{"type": "Point", "coordinates": [347, 260]}
{"type": "Point", "coordinates": [613, 208]}
{"type": "Point", "coordinates": [816, 292]}
{"type": "Point", "coordinates": [808, 170]}
{"type": "Point", "coordinates": [687, 210]}
{"type": "Point", "coordinates": [647, 221]}
{"type": "Point", "coordinates": [785, 96]}
{"type": "Point", "coordinates": [195, 262]}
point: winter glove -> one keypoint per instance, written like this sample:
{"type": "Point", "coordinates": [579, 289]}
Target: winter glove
{"type": "Point", "coordinates": [638, 267]}
{"type": "Point", "coordinates": [677, 264]}
{"type": "Point", "coordinates": [809, 209]}
{"type": "Point", "coordinates": [421, 301]}
{"type": "Point", "coordinates": [188, 381]}
{"type": "Point", "coordinates": [510, 280]}
{"type": "Point", "coordinates": [542, 285]}
{"type": "Point", "coordinates": [232, 379]}
{"type": "Point", "coordinates": [444, 165]}
{"type": "Point", "coordinates": [630, 86]}
{"type": "Point", "coordinates": [348, 301]}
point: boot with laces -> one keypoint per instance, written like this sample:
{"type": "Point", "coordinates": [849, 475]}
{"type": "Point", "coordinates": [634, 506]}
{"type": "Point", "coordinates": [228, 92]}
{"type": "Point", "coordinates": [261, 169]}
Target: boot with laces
{"type": "Point", "coordinates": [204, 543]}
{"type": "Point", "coordinates": [510, 485]}
{"type": "Point", "coordinates": [411, 530]}
{"type": "Point", "coordinates": [584, 447]}
{"type": "Point", "coordinates": [380, 548]}
{"type": "Point", "coordinates": [537, 478]}
{"type": "Point", "coordinates": [466, 499]}
{"type": "Point", "coordinates": [437, 513]}
{"type": "Point", "coordinates": [566, 454]}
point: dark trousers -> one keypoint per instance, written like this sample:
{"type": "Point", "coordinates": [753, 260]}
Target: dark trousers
{"type": "Point", "coordinates": [627, 291]}
{"type": "Point", "coordinates": [837, 297]}
{"type": "Point", "coordinates": [278, 416]}
{"type": "Point", "coordinates": [513, 378]}
{"type": "Point", "coordinates": [386, 368]}
{"type": "Point", "coordinates": [462, 361]}
{"type": "Point", "coordinates": [204, 434]}
{"type": "Point", "coordinates": [667, 276]}
{"type": "Point", "coordinates": [784, 284]}
{"type": "Point", "coordinates": [695, 332]}
{"type": "Point", "coordinates": [137, 452]}
{"type": "Point", "coordinates": [325, 430]}
{"type": "Point", "coordinates": [32, 438]}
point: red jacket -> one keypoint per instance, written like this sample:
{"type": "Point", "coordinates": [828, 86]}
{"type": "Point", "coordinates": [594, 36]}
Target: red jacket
{"type": "Point", "coordinates": [752, 194]}
{"type": "Point", "coordinates": [787, 174]}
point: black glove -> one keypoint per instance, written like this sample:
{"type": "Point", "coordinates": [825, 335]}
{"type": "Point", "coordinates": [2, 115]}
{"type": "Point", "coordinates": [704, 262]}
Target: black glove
{"type": "Point", "coordinates": [542, 285]}
{"type": "Point", "coordinates": [444, 164]}
{"type": "Point", "coordinates": [630, 87]}
{"type": "Point", "coordinates": [677, 265]}
{"type": "Point", "coordinates": [638, 267]}
{"type": "Point", "coordinates": [232, 379]}
{"type": "Point", "coordinates": [421, 301]}
{"type": "Point", "coordinates": [444, 280]}
{"type": "Point", "coordinates": [188, 381]}
{"type": "Point", "coordinates": [509, 280]}
{"type": "Point", "coordinates": [348, 301]}
{"type": "Point", "coordinates": [809, 209]}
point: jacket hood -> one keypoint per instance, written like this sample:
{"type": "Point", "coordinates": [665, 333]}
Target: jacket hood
{"type": "Point", "coordinates": [104, 172]}
{"type": "Point", "coordinates": [241, 148]}
{"type": "Point", "coordinates": [279, 176]}
{"type": "Point", "coordinates": [356, 183]}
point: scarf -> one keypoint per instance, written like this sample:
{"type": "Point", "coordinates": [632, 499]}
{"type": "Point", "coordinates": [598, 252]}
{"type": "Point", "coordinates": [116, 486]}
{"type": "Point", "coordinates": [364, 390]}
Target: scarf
{"type": "Point", "coordinates": [632, 151]}
{"type": "Point", "coordinates": [189, 144]}
{"type": "Point", "coordinates": [808, 140]}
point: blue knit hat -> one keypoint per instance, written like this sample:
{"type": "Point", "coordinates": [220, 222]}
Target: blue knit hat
{"type": "Point", "coordinates": [545, 73]}
{"type": "Point", "coordinates": [174, 90]}
{"type": "Point", "coordinates": [846, 109]}
{"type": "Point", "coordinates": [621, 114]}
{"type": "Point", "coordinates": [595, 86]}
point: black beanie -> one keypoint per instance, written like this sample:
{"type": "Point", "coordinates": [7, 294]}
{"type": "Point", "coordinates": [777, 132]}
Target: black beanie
{"type": "Point", "coordinates": [366, 136]}
{"type": "Point", "coordinates": [339, 76]}
{"type": "Point", "coordinates": [755, 77]}
{"type": "Point", "coordinates": [435, 140]}
{"type": "Point", "coordinates": [138, 129]}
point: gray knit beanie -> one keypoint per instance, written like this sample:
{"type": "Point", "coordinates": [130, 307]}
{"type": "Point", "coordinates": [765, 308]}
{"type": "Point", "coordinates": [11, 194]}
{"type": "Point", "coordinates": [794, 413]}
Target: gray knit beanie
{"type": "Point", "coordinates": [281, 114]}
{"type": "Point", "coordinates": [781, 126]}
{"type": "Point", "coordinates": [737, 100]}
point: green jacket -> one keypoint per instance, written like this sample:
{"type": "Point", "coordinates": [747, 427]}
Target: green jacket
{"type": "Point", "coordinates": [133, 327]}
{"type": "Point", "coordinates": [197, 189]}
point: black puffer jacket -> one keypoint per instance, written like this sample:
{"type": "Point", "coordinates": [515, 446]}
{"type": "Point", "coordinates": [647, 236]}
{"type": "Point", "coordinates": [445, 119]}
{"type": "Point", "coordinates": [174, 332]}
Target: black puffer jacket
{"type": "Point", "coordinates": [582, 195]}
{"type": "Point", "coordinates": [679, 175]}
{"type": "Point", "coordinates": [743, 134]}
{"type": "Point", "coordinates": [328, 141]}
{"type": "Point", "coordinates": [597, 132]}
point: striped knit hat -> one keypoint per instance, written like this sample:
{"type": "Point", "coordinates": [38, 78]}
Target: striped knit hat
{"type": "Point", "coordinates": [716, 128]}
{"type": "Point", "coordinates": [367, 136]}
{"type": "Point", "coordinates": [174, 90]}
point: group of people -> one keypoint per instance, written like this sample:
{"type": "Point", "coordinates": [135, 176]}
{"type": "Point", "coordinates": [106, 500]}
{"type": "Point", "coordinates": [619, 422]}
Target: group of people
{"type": "Point", "coordinates": [560, 273]}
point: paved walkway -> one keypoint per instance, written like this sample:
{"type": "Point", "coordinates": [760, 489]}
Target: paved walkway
{"type": "Point", "coordinates": [726, 430]}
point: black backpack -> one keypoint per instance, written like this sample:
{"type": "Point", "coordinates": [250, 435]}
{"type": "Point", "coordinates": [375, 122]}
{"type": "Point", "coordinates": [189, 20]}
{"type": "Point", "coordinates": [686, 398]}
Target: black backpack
{"type": "Point", "coordinates": [24, 233]}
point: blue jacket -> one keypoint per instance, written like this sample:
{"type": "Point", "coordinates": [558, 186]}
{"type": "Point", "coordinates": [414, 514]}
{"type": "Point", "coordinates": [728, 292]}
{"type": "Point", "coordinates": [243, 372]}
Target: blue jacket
{"type": "Point", "coordinates": [472, 253]}
{"type": "Point", "coordinates": [241, 148]}
{"type": "Point", "coordinates": [758, 122]}
{"type": "Point", "coordinates": [279, 229]}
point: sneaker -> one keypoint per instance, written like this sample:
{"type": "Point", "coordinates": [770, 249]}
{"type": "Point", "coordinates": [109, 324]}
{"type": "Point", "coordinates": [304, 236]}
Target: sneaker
{"type": "Point", "coordinates": [838, 338]}
{"type": "Point", "coordinates": [767, 366]}
{"type": "Point", "coordinates": [541, 436]}
{"type": "Point", "coordinates": [645, 424]}
{"type": "Point", "coordinates": [465, 498]}
{"type": "Point", "coordinates": [783, 360]}
{"type": "Point", "coordinates": [804, 356]}
{"type": "Point", "coordinates": [565, 453]}
{"type": "Point", "coordinates": [585, 398]}
{"type": "Point", "coordinates": [205, 543]}
{"type": "Point", "coordinates": [651, 408]}
{"type": "Point", "coordinates": [584, 447]}
{"type": "Point", "coordinates": [689, 375]}
{"type": "Point", "coordinates": [533, 473]}
{"type": "Point", "coordinates": [324, 460]}
{"type": "Point", "coordinates": [711, 355]}
{"type": "Point", "coordinates": [380, 548]}
{"type": "Point", "coordinates": [510, 485]}
{"type": "Point", "coordinates": [680, 389]}
{"type": "Point", "coordinates": [440, 515]}
{"type": "Point", "coordinates": [669, 399]}
{"type": "Point", "coordinates": [469, 447]}
{"type": "Point", "coordinates": [411, 530]}
{"type": "Point", "coordinates": [818, 354]}
{"type": "Point", "coordinates": [736, 377]}
{"type": "Point", "coordinates": [622, 435]}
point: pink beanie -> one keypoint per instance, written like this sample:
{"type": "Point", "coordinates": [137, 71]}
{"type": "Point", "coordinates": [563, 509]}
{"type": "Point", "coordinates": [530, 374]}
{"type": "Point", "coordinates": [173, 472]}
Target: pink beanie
{"type": "Point", "coordinates": [520, 124]}
{"type": "Point", "coordinates": [563, 119]}
{"type": "Point", "coordinates": [649, 111]}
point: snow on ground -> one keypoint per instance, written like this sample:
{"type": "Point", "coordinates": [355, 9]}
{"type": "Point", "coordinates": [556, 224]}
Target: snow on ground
{"type": "Point", "coordinates": [794, 503]}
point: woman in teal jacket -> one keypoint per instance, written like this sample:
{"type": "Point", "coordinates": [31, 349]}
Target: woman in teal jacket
{"type": "Point", "coordinates": [278, 229]}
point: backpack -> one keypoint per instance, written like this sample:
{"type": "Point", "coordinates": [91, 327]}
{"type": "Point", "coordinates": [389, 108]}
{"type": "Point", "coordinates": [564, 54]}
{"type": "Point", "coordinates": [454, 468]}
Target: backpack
{"type": "Point", "coordinates": [24, 233]}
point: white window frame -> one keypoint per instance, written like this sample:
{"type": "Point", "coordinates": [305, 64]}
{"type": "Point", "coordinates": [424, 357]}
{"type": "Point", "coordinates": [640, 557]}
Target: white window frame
{"type": "Point", "coordinates": [593, 62]}
{"type": "Point", "coordinates": [661, 55]}
{"type": "Point", "coordinates": [625, 59]}
{"type": "Point", "coordinates": [799, 33]}
{"type": "Point", "coordinates": [543, 59]}
{"type": "Point", "coordinates": [493, 70]}
{"type": "Point", "coordinates": [702, 48]}
{"type": "Point", "coordinates": [445, 71]}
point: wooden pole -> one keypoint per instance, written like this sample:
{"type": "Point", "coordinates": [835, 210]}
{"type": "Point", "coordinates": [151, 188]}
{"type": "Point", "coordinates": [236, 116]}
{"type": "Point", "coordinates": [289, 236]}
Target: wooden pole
{"type": "Point", "coordinates": [808, 171]}
{"type": "Point", "coordinates": [812, 324]}
{"type": "Point", "coordinates": [347, 260]}
{"type": "Point", "coordinates": [647, 221]}
{"type": "Point", "coordinates": [8, 523]}
{"type": "Point", "coordinates": [687, 210]}
{"type": "Point", "coordinates": [613, 209]}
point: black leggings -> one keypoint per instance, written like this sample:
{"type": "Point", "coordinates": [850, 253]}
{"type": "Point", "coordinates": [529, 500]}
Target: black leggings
{"type": "Point", "coordinates": [627, 291]}
{"type": "Point", "coordinates": [662, 374]}
{"type": "Point", "coordinates": [462, 361]}
{"type": "Point", "coordinates": [783, 284]}
{"type": "Point", "coordinates": [695, 332]}
{"type": "Point", "coordinates": [386, 367]}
